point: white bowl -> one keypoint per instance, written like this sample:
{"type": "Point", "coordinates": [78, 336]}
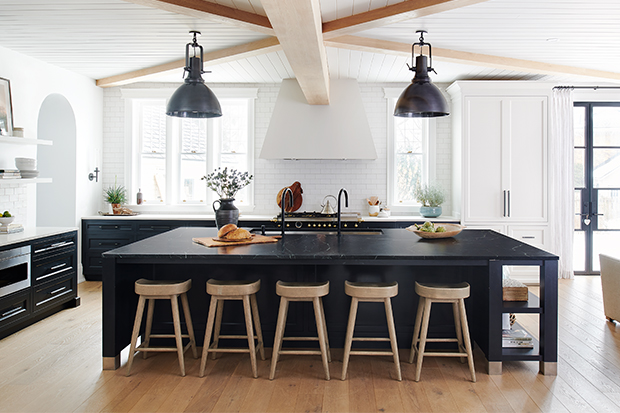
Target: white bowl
{"type": "Point", "coordinates": [6, 220]}
{"type": "Point", "coordinates": [28, 164]}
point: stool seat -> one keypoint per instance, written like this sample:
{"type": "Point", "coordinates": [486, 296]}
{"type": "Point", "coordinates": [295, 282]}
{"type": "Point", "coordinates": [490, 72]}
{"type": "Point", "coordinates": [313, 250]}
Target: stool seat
{"type": "Point", "coordinates": [302, 289]}
{"type": "Point", "coordinates": [239, 290]}
{"type": "Point", "coordinates": [370, 290]}
{"type": "Point", "coordinates": [232, 287]}
{"type": "Point", "coordinates": [442, 291]}
{"type": "Point", "coordinates": [162, 287]}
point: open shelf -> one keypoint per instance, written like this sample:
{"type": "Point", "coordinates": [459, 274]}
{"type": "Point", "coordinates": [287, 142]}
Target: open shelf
{"type": "Point", "coordinates": [22, 181]}
{"type": "Point", "coordinates": [532, 305]}
{"type": "Point", "coordinates": [24, 141]}
{"type": "Point", "coordinates": [525, 354]}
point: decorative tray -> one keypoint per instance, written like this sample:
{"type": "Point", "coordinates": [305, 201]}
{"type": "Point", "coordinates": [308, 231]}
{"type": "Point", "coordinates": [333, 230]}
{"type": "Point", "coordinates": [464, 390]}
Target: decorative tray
{"type": "Point", "coordinates": [451, 230]}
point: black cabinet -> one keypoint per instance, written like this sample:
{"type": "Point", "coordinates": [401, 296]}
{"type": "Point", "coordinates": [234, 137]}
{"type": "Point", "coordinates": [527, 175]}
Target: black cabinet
{"type": "Point", "coordinates": [53, 283]}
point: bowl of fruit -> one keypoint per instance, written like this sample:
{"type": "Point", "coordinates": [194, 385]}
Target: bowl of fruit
{"type": "Point", "coordinates": [6, 218]}
{"type": "Point", "coordinates": [435, 230]}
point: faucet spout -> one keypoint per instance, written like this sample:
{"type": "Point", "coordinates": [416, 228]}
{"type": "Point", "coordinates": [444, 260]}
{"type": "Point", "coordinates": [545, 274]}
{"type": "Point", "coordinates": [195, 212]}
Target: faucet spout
{"type": "Point", "coordinates": [283, 203]}
{"type": "Point", "coordinates": [346, 204]}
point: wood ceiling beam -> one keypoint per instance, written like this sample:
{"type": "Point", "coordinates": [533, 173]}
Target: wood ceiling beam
{"type": "Point", "coordinates": [404, 49]}
{"type": "Point", "coordinates": [297, 24]}
{"type": "Point", "coordinates": [211, 11]}
{"type": "Point", "coordinates": [217, 57]}
{"type": "Point", "coordinates": [394, 13]}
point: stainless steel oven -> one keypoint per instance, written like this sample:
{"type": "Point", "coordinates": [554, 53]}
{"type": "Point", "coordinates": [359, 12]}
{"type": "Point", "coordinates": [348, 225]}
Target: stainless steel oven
{"type": "Point", "coordinates": [14, 270]}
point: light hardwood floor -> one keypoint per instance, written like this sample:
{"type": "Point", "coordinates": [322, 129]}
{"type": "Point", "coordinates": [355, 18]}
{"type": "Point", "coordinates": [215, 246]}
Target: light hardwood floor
{"type": "Point", "coordinates": [55, 366]}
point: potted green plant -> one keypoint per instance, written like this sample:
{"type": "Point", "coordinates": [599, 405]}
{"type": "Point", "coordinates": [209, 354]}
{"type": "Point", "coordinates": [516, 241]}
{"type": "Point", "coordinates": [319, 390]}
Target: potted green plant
{"type": "Point", "coordinates": [226, 183]}
{"type": "Point", "coordinates": [116, 196]}
{"type": "Point", "coordinates": [431, 197]}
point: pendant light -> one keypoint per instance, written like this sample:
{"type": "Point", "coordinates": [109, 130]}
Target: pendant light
{"type": "Point", "coordinates": [193, 99]}
{"type": "Point", "coordinates": [421, 99]}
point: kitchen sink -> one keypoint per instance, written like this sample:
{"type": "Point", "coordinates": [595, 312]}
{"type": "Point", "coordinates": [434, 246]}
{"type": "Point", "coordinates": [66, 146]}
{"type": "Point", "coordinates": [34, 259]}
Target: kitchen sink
{"type": "Point", "coordinates": [359, 231]}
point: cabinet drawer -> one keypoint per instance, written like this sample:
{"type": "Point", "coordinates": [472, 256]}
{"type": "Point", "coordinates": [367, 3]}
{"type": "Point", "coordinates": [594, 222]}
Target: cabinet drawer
{"type": "Point", "coordinates": [53, 293]}
{"type": "Point", "coordinates": [52, 246]}
{"type": "Point", "coordinates": [106, 244]}
{"type": "Point", "coordinates": [53, 267]}
{"type": "Point", "coordinates": [95, 263]}
{"type": "Point", "coordinates": [148, 230]}
{"type": "Point", "coordinates": [533, 236]}
{"type": "Point", "coordinates": [112, 227]}
{"type": "Point", "coordinates": [14, 308]}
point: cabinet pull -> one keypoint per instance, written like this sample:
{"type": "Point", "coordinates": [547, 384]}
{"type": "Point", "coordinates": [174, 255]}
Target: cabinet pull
{"type": "Point", "coordinates": [58, 266]}
{"type": "Point", "coordinates": [13, 312]}
{"type": "Point", "coordinates": [509, 203]}
{"type": "Point", "coordinates": [53, 273]}
{"type": "Point", "coordinates": [54, 246]}
{"type": "Point", "coordinates": [504, 203]}
{"type": "Point", "coordinates": [54, 297]}
{"type": "Point", "coordinates": [528, 237]}
{"type": "Point", "coordinates": [58, 290]}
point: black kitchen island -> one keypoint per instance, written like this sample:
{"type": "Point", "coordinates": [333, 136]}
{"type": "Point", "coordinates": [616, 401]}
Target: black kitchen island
{"type": "Point", "coordinates": [474, 256]}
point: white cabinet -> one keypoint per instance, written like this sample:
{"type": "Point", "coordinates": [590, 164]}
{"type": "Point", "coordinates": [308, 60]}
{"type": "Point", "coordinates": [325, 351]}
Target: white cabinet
{"type": "Point", "coordinates": [500, 142]}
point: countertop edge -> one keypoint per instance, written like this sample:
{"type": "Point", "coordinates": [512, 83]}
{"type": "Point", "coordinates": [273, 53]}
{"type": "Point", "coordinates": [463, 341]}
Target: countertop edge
{"type": "Point", "coordinates": [29, 234]}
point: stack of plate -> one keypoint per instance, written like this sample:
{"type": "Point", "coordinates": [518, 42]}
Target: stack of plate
{"type": "Point", "coordinates": [29, 174]}
{"type": "Point", "coordinates": [26, 164]}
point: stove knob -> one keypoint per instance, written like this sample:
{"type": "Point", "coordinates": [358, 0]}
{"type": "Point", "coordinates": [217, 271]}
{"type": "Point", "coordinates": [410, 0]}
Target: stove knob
{"type": "Point", "coordinates": [345, 225]}
{"type": "Point", "coordinates": [298, 224]}
{"type": "Point", "coordinates": [288, 225]}
{"type": "Point", "coordinates": [355, 225]}
{"type": "Point", "coordinates": [314, 225]}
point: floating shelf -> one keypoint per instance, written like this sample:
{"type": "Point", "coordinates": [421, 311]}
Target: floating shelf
{"type": "Point", "coordinates": [24, 141]}
{"type": "Point", "coordinates": [532, 305]}
{"type": "Point", "coordinates": [22, 181]}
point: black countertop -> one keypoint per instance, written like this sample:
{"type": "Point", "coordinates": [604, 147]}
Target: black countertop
{"type": "Point", "coordinates": [392, 245]}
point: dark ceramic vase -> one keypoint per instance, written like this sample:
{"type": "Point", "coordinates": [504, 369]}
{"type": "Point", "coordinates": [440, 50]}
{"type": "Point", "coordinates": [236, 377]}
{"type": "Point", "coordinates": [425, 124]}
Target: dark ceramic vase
{"type": "Point", "coordinates": [227, 213]}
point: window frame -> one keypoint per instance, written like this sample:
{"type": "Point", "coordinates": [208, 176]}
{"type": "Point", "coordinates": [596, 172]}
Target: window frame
{"type": "Point", "coordinates": [134, 98]}
{"type": "Point", "coordinates": [429, 157]}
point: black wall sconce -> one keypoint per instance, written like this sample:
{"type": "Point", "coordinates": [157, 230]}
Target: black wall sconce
{"type": "Point", "coordinates": [94, 175]}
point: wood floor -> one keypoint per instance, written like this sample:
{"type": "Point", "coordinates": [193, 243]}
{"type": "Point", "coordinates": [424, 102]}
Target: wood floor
{"type": "Point", "coordinates": [55, 366]}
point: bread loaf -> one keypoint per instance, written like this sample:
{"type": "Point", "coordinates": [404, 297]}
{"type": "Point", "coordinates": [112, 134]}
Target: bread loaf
{"type": "Point", "coordinates": [238, 234]}
{"type": "Point", "coordinates": [225, 230]}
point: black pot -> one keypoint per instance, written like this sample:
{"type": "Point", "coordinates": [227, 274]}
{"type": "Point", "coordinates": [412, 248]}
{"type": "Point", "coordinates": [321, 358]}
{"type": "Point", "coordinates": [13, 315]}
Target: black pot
{"type": "Point", "coordinates": [227, 213]}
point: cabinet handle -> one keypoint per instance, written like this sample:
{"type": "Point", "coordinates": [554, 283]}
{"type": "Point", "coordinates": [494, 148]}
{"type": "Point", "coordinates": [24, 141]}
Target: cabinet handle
{"type": "Point", "coordinates": [509, 203]}
{"type": "Point", "coordinates": [53, 273]}
{"type": "Point", "coordinates": [58, 266]}
{"type": "Point", "coordinates": [504, 203]}
{"type": "Point", "coordinates": [58, 290]}
{"type": "Point", "coordinates": [528, 237]}
{"type": "Point", "coordinates": [13, 311]}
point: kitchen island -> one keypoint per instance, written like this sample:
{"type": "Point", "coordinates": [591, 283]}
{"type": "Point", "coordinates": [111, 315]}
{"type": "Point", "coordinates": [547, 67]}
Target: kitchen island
{"type": "Point", "coordinates": [475, 256]}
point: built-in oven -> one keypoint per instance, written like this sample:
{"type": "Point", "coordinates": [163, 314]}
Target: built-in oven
{"type": "Point", "coordinates": [14, 270]}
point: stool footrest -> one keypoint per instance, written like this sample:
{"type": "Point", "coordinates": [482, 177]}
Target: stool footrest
{"type": "Point", "coordinates": [168, 336]}
{"type": "Point", "coordinates": [370, 353]}
{"type": "Point", "coordinates": [228, 350]}
{"type": "Point", "coordinates": [237, 337]}
{"type": "Point", "coordinates": [370, 339]}
{"type": "Point", "coordinates": [439, 353]}
{"type": "Point", "coordinates": [440, 340]}
{"type": "Point", "coordinates": [301, 352]}
{"type": "Point", "coordinates": [301, 338]}
{"type": "Point", "coordinates": [156, 349]}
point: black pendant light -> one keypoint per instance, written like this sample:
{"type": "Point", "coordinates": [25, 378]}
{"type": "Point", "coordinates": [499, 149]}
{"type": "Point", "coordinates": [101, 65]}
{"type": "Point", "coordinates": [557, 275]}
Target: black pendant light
{"type": "Point", "coordinates": [421, 99]}
{"type": "Point", "coordinates": [194, 99]}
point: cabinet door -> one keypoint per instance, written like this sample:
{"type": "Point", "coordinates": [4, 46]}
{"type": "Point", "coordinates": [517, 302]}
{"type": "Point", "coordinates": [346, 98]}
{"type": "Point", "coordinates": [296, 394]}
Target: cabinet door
{"type": "Point", "coordinates": [525, 159]}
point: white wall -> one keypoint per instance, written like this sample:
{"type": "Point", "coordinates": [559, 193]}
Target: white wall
{"type": "Point", "coordinates": [361, 178]}
{"type": "Point", "coordinates": [31, 82]}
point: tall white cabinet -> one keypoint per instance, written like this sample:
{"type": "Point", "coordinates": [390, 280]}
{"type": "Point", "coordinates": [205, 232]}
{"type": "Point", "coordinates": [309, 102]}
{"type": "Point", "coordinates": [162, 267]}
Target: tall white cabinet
{"type": "Point", "coordinates": [500, 151]}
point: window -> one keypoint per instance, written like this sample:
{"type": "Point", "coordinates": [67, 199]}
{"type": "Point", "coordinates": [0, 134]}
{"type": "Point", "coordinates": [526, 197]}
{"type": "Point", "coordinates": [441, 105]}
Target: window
{"type": "Point", "coordinates": [410, 152]}
{"type": "Point", "coordinates": [168, 156]}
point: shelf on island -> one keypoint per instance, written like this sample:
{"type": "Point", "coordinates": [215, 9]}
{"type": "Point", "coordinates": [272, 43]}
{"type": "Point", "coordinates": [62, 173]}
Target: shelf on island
{"type": "Point", "coordinates": [24, 141]}
{"type": "Point", "coordinates": [22, 181]}
{"type": "Point", "coordinates": [532, 305]}
{"type": "Point", "coordinates": [517, 353]}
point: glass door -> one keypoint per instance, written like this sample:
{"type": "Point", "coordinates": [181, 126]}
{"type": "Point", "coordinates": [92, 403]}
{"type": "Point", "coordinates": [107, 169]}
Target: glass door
{"type": "Point", "coordinates": [597, 184]}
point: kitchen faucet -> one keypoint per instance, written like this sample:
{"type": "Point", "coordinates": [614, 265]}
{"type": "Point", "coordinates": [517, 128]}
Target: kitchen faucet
{"type": "Point", "coordinates": [288, 191]}
{"type": "Point", "coordinates": [346, 203]}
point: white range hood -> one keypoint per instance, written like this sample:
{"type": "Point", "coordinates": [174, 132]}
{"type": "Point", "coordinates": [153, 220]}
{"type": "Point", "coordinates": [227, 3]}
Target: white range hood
{"type": "Point", "coordinates": [339, 130]}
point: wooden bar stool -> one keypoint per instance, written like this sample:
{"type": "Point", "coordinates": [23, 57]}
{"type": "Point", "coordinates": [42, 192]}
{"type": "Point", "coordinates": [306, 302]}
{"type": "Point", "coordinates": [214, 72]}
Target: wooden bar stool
{"type": "Point", "coordinates": [301, 291]}
{"type": "Point", "coordinates": [442, 293]}
{"type": "Point", "coordinates": [370, 292]}
{"type": "Point", "coordinates": [162, 290]}
{"type": "Point", "coordinates": [221, 290]}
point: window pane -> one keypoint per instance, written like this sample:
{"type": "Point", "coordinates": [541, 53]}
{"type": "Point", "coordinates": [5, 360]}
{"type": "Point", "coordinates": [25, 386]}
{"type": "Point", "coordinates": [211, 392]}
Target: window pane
{"type": "Point", "coordinates": [577, 209]}
{"type": "Point", "coordinates": [153, 128]}
{"type": "Point", "coordinates": [408, 135]}
{"type": "Point", "coordinates": [153, 177]}
{"type": "Point", "coordinates": [193, 160]}
{"type": "Point", "coordinates": [153, 148]}
{"type": "Point", "coordinates": [609, 206]}
{"type": "Point", "coordinates": [579, 171]}
{"type": "Point", "coordinates": [579, 251]}
{"type": "Point", "coordinates": [606, 168]}
{"type": "Point", "coordinates": [234, 128]}
{"type": "Point", "coordinates": [579, 125]}
{"type": "Point", "coordinates": [408, 174]}
{"type": "Point", "coordinates": [605, 242]}
{"type": "Point", "coordinates": [606, 124]}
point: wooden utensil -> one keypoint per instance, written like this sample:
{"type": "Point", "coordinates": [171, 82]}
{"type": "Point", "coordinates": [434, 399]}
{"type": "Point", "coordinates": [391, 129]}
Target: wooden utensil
{"type": "Point", "coordinates": [297, 198]}
{"type": "Point", "coordinates": [256, 239]}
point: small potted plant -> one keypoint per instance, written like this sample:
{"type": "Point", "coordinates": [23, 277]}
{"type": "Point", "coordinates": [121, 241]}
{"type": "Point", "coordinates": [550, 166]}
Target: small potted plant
{"type": "Point", "coordinates": [116, 196]}
{"type": "Point", "coordinates": [431, 197]}
{"type": "Point", "coordinates": [226, 183]}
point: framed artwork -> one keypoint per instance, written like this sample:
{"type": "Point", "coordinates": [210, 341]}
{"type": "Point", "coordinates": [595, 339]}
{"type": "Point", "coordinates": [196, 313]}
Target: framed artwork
{"type": "Point", "coordinates": [6, 108]}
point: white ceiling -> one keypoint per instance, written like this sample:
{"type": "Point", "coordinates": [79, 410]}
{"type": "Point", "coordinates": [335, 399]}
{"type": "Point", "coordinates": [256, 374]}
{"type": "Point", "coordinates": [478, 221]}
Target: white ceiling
{"type": "Point", "coordinates": [103, 38]}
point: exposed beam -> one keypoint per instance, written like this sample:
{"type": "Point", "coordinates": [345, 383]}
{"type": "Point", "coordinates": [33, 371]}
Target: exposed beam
{"type": "Point", "coordinates": [297, 23]}
{"type": "Point", "coordinates": [217, 57]}
{"type": "Point", "coordinates": [477, 59]}
{"type": "Point", "coordinates": [394, 13]}
{"type": "Point", "coordinates": [211, 11]}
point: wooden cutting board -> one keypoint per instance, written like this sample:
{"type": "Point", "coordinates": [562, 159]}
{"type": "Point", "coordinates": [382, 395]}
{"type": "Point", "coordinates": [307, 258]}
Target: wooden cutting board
{"type": "Point", "coordinates": [256, 239]}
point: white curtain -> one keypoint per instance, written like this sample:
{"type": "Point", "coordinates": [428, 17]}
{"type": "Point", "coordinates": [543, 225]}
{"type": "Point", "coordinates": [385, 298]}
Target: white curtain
{"type": "Point", "coordinates": [561, 150]}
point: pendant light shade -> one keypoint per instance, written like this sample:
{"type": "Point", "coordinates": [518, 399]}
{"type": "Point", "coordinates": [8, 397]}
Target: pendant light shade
{"type": "Point", "coordinates": [421, 99]}
{"type": "Point", "coordinates": [194, 99]}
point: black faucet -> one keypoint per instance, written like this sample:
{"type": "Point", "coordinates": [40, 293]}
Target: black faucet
{"type": "Point", "coordinates": [346, 203]}
{"type": "Point", "coordinates": [283, 202]}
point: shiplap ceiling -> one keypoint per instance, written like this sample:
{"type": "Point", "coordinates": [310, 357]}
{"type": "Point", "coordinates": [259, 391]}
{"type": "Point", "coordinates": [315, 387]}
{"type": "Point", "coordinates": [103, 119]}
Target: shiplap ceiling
{"type": "Point", "coordinates": [116, 41]}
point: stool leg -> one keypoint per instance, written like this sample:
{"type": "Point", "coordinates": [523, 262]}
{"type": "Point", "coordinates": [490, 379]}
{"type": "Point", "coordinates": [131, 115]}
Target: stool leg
{"type": "Point", "coordinates": [392, 330]}
{"type": "Point", "coordinates": [149, 326]}
{"type": "Point", "coordinates": [349, 337]}
{"type": "Point", "coordinates": [208, 331]}
{"type": "Point", "coordinates": [247, 311]}
{"type": "Point", "coordinates": [416, 329]}
{"type": "Point", "coordinates": [470, 357]}
{"type": "Point", "coordinates": [277, 342]}
{"type": "Point", "coordinates": [329, 353]}
{"type": "Point", "coordinates": [176, 318]}
{"type": "Point", "coordinates": [427, 314]}
{"type": "Point", "coordinates": [218, 326]}
{"type": "Point", "coordinates": [458, 328]}
{"type": "Point", "coordinates": [257, 326]}
{"type": "Point", "coordinates": [320, 327]}
{"type": "Point", "coordinates": [136, 332]}
{"type": "Point", "coordinates": [190, 325]}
